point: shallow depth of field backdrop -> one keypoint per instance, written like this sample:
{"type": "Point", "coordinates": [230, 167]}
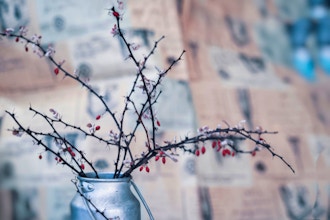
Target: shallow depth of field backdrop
{"type": "Point", "coordinates": [238, 65]}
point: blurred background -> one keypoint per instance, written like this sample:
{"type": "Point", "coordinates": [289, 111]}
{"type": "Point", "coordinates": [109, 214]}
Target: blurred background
{"type": "Point", "coordinates": [265, 61]}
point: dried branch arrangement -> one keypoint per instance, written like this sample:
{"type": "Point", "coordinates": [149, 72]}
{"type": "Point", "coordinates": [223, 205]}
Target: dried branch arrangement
{"type": "Point", "coordinates": [220, 139]}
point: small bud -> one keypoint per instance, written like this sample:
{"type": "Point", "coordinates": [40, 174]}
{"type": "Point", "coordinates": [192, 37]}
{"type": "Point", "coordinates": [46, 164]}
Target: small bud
{"type": "Point", "coordinates": [214, 144]}
{"type": "Point", "coordinates": [147, 169]}
{"type": "Point", "coordinates": [98, 117]}
{"type": "Point", "coordinates": [141, 168]}
{"type": "Point", "coordinates": [262, 140]}
{"type": "Point", "coordinates": [253, 153]}
{"type": "Point", "coordinates": [72, 154]}
{"type": "Point", "coordinates": [158, 123]}
{"type": "Point", "coordinates": [17, 39]}
{"type": "Point", "coordinates": [26, 49]}
{"type": "Point", "coordinates": [17, 132]}
{"type": "Point", "coordinates": [82, 166]}
{"type": "Point", "coordinates": [40, 156]}
{"type": "Point", "coordinates": [98, 127]}
{"type": "Point", "coordinates": [156, 158]}
{"type": "Point", "coordinates": [164, 160]}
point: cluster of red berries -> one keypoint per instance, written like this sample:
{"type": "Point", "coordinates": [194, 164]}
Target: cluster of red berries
{"type": "Point", "coordinates": [218, 146]}
{"type": "Point", "coordinates": [215, 145]}
{"type": "Point", "coordinates": [226, 152]}
{"type": "Point", "coordinates": [159, 156]}
{"type": "Point", "coordinates": [147, 169]}
{"type": "Point", "coordinates": [97, 127]}
{"type": "Point", "coordinates": [199, 151]}
{"type": "Point", "coordinates": [162, 156]}
{"type": "Point", "coordinates": [69, 149]}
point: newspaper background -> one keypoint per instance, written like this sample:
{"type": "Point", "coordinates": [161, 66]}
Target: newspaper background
{"type": "Point", "coordinates": [233, 70]}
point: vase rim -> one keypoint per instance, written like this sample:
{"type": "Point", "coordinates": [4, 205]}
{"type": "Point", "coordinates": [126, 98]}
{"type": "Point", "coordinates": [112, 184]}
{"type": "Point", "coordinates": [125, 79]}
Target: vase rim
{"type": "Point", "coordinates": [103, 177]}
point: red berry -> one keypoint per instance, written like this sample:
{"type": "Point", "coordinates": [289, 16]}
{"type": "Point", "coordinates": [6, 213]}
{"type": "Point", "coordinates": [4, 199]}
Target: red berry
{"type": "Point", "coordinates": [225, 152]}
{"type": "Point", "coordinates": [116, 14]}
{"type": "Point", "coordinates": [214, 144]}
{"type": "Point", "coordinates": [17, 39]}
{"type": "Point", "coordinates": [156, 158]}
{"type": "Point", "coordinates": [164, 160]}
{"type": "Point", "coordinates": [233, 154]}
{"type": "Point", "coordinates": [158, 123]}
{"type": "Point", "coordinates": [98, 117]}
{"type": "Point", "coordinates": [141, 168]}
{"type": "Point", "coordinates": [203, 150]}
{"type": "Point", "coordinates": [97, 127]}
{"type": "Point", "coordinates": [82, 166]}
{"type": "Point", "coordinates": [253, 153]}
{"type": "Point", "coordinates": [72, 154]}
{"type": "Point", "coordinates": [40, 156]}
{"type": "Point", "coordinates": [147, 169]}
{"type": "Point", "coordinates": [26, 49]}
{"type": "Point", "coordinates": [56, 70]}
{"type": "Point", "coordinates": [197, 152]}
